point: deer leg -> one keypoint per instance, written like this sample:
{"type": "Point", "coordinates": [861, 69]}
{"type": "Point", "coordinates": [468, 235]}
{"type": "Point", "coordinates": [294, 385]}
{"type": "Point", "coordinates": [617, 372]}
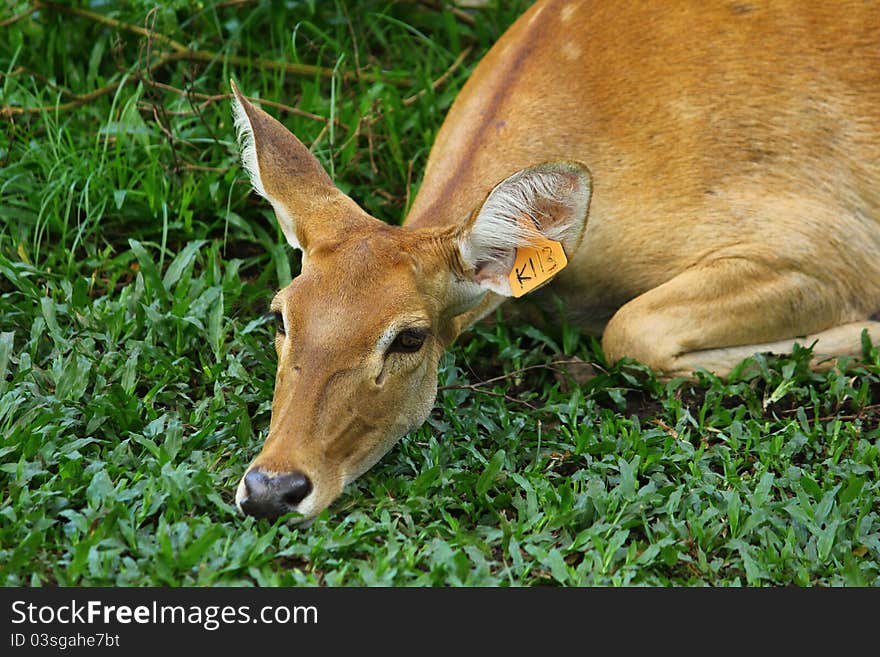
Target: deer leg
{"type": "Point", "coordinates": [714, 315]}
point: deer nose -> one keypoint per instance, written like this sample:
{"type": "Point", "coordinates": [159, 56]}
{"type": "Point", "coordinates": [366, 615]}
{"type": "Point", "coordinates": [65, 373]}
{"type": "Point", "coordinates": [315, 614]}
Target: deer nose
{"type": "Point", "coordinates": [270, 495]}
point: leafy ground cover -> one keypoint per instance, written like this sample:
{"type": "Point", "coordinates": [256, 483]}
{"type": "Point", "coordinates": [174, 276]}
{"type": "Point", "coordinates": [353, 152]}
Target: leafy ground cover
{"type": "Point", "coordinates": [136, 368]}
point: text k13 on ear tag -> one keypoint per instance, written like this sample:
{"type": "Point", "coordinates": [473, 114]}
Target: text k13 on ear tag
{"type": "Point", "coordinates": [536, 264]}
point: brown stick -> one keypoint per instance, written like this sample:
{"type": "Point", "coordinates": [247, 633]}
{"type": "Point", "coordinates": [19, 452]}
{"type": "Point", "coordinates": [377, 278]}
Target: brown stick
{"type": "Point", "coordinates": [182, 52]}
{"type": "Point", "coordinates": [541, 366]}
{"type": "Point", "coordinates": [79, 100]}
{"type": "Point", "coordinates": [301, 70]}
{"type": "Point", "coordinates": [112, 22]}
{"type": "Point", "coordinates": [479, 386]}
{"type": "Point", "coordinates": [201, 167]}
{"type": "Point", "coordinates": [14, 19]}
{"type": "Point", "coordinates": [22, 70]}
{"type": "Point", "coordinates": [214, 98]}
{"type": "Point", "coordinates": [442, 79]}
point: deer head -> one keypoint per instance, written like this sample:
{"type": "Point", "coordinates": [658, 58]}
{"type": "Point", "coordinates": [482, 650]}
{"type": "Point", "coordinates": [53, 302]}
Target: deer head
{"type": "Point", "coordinates": [361, 329]}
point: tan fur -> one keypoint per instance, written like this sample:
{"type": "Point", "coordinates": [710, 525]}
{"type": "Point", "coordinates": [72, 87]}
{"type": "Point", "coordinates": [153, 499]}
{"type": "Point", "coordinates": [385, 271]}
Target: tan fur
{"type": "Point", "coordinates": [733, 150]}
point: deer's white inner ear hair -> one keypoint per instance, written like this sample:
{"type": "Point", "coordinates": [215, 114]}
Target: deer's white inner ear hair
{"type": "Point", "coordinates": [248, 147]}
{"type": "Point", "coordinates": [249, 161]}
{"type": "Point", "coordinates": [517, 209]}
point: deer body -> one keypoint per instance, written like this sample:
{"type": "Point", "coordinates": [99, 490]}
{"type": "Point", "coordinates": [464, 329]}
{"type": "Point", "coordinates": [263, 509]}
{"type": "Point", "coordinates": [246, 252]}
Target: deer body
{"type": "Point", "coordinates": [712, 131]}
{"type": "Point", "coordinates": [711, 169]}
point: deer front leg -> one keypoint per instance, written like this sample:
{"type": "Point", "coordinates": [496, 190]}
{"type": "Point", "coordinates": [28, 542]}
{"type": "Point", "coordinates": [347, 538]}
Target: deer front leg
{"type": "Point", "coordinates": [717, 314]}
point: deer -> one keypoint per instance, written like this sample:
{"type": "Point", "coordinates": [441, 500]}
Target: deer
{"type": "Point", "coordinates": [697, 182]}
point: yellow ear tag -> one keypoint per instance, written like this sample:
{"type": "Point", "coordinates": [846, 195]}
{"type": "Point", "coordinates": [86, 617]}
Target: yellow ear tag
{"type": "Point", "coordinates": [535, 265]}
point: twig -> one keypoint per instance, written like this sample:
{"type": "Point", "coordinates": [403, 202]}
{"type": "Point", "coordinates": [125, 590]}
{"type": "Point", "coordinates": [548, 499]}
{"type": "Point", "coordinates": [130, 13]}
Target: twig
{"type": "Point", "coordinates": [480, 385]}
{"type": "Point", "coordinates": [180, 51]}
{"type": "Point", "coordinates": [319, 137]}
{"type": "Point", "coordinates": [8, 111]}
{"type": "Point", "coordinates": [214, 98]}
{"type": "Point", "coordinates": [198, 108]}
{"type": "Point", "coordinates": [112, 22]}
{"type": "Point", "coordinates": [19, 70]}
{"type": "Point", "coordinates": [462, 15]}
{"type": "Point", "coordinates": [159, 114]}
{"type": "Point", "coordinates": [491, 393]}
{"type": "Point", "coordinates": [353, 136]}
{"type": "Point", "coordinates": [514, 373]}
{"type": "Point", "coordinates": [201, 167]}
{"type": "Point", "coordinates": [234, 3]}
{"type": "Point", "coordinates": [302, 70]}
{"type": "Point", "coordinates": [458, 12]}
{"type": "Point", "coordinates": [409, 174]}
{"type": "Point", "coordinates": [14, 19]}
{"type": "Point", "coordinates": [388, 196]}
{"type": "Point", "coordinates": [82, 99]}
{"type": "Point", "coordinates": [297, 111]}
{"type": "Point", "coordinates": [354, 42]}
{"type": "Point", "coordinates": [410, 100]}
{"type": "Point", "coordinates": [370, 146]}
{"type": "Point", "coordinates": [845, 418]}
{"type": "Point", "coordinates": [17, 17]}
{"type": "Point", "coordinates": [442, 79]}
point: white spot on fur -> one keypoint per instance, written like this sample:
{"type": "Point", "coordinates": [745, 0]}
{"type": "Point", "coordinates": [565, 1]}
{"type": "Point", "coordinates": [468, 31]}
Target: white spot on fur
{"type": "Point", "coordinates": [571, 51]}
{"type": "Point", "coordinates": [567, 12]}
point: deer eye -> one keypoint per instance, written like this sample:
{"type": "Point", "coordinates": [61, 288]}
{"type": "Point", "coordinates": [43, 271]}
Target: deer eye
{"type": "Point", "coordinates": [408, 341]}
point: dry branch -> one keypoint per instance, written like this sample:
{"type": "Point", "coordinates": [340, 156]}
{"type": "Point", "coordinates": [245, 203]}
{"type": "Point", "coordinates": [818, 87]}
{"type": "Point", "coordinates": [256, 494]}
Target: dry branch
{"type": "Point", "coordinates": [436, 84]}
{"type": "Point", "coordinates": [179, 51]}
{"type": "Point", "coordinates": [182, 52]}
{"type": "Point", "coordinates": [79, 100]}
{"type": "Point", "coordinates": [17, 17]}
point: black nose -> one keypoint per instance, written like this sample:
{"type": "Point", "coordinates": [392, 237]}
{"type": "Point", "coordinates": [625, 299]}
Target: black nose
{"type": "Point", "coordinates": [270, 496]}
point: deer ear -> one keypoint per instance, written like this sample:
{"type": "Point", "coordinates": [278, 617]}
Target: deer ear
{"type": "Point", "coordinates": [551, 199]}
{"type": "Point", "coordinates": [285, 173]}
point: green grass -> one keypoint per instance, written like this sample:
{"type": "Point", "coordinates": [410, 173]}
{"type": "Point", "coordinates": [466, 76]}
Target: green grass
{"type": "Point", "coordinates": [136, 370]}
